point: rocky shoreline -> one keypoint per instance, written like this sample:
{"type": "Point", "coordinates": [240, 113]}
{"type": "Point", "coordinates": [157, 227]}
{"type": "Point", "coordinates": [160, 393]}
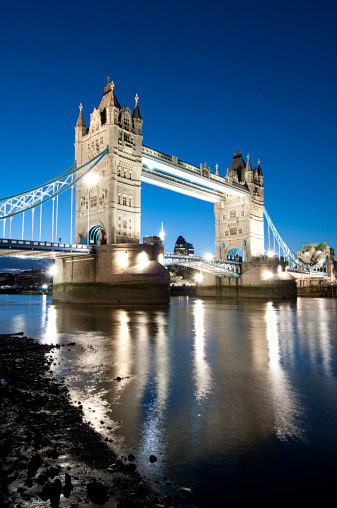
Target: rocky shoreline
{"type": "Point", "coordinates": [49, 455]}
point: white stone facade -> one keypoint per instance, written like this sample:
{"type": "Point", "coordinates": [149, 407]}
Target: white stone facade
{"type": "Point", "coordinates": [239, 222]}
{"type": "Point", "coordinates": [115, 196]}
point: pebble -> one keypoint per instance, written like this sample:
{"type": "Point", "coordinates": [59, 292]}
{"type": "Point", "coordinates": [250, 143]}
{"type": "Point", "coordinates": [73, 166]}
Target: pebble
{"type": "Point", "coordinates": [186, 491]}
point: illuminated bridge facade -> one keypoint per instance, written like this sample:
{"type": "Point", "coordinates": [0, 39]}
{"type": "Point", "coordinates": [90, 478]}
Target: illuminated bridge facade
{"type": "Point", "coordinates": [104, 187]}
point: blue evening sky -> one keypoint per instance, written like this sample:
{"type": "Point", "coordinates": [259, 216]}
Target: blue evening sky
{"type": "Point", "coordinates": [210, 76]}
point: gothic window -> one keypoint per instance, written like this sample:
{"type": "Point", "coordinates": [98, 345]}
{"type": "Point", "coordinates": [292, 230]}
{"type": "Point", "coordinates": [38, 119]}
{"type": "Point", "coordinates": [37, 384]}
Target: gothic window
{"type": "Point", "coordinates": [126, 121]}
{"type": "Point", "coordinates": [129, 201]}
{"type": "Point", "coordinates": [119, 172]}
{"type": "Point", "coordinates": [130, 175]}
{"type": "Point", "coordinates": [232, 214]}
{"type": "Point", "coordinates": [93, 202]}
{"type": "Point", "coordinates": [223, 217]}
{"type": "Point", "coordinates": [240, 231]}
{"type": "Point", "coordinates": [125, 224]}
{"type": "Point", "coordinates": [227, 233]}
{"type": "Point", "coordinates": [242, 213]}
{"type": "Point", "coordinates": [103, 116]}
{"type": "Point", "coordinates": [101, 141]}
{"type": "Point", "coordinates": [124, 200]}
{"type": "Point", "coordinates": [233, 231]}
{"type": "Point", "coordinates": [119, 199]}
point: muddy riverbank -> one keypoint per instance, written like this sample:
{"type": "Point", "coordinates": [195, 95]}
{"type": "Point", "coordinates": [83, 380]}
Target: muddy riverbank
{"type": "Point", "coordinates": [49, 455]}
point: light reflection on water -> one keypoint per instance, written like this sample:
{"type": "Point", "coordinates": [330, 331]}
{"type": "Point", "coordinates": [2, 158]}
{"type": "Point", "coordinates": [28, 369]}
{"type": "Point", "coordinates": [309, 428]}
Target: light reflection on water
{"type": "Point", "coordinates": [221, 392]}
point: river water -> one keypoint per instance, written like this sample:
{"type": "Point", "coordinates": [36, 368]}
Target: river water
{"type": "Point", "coordinates": [236, 400]}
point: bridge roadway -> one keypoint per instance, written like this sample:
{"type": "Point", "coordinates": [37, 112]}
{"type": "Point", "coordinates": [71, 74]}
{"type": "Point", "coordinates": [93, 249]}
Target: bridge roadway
{"type": "Point", "coordinates": [33, 249]}
{"type": "Point", "coordinates": [173, 174]}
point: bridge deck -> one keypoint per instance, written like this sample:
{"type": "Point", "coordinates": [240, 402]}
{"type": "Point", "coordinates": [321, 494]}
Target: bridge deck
{"type": "Point", "coordinates": [159, 165]}
{"type": "Point", "coordinates": [30, 248]}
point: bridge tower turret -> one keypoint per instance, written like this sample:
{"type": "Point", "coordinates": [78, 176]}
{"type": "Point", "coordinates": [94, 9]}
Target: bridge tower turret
{"type": "Point", "coordinates": [239, 221]}
{"type": "Point", "coordinates": [109, 207]}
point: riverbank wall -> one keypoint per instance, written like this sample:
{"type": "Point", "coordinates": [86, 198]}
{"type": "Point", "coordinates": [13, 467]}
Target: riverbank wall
{"type": "Point", "coordinates": [122, 274]}
{"type": "Point", "coordinates": [266, 279]}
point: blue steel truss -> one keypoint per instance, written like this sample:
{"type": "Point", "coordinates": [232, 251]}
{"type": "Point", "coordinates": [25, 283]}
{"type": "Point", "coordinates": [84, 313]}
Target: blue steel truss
{"type": "Point", "coordinates": [297, 264]}
{"type": "Point", "coordinates": [28, 200]}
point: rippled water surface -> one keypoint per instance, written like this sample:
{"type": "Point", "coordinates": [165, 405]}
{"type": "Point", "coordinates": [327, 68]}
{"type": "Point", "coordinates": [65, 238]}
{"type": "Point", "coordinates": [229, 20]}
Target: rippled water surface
{"type": "Point", "coordinates": [237, 400]}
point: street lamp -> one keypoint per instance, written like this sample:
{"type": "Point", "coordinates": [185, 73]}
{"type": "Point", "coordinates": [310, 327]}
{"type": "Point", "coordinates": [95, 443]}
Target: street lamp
{"type": "Point", "coordinates": [90, 180]}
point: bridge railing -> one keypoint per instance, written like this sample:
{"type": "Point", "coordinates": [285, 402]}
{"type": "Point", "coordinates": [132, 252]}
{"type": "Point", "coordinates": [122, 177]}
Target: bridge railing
{"type": "Point", "coordinates": [13, 244]}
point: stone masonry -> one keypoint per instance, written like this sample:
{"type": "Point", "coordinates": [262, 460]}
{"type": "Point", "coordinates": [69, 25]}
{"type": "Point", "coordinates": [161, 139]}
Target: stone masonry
{"type": "Point", "coordinates": [114, 198]}
{"type": "Point", "coordinates": [239, 221]}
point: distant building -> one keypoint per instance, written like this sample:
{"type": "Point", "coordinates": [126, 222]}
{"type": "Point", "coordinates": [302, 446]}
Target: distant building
{"type": "Point", "coordinates": [183, 247]}
{"type": "Point", "coordinates": [152, 240]}
{"type": "Point", "coordinates": [319, 254]}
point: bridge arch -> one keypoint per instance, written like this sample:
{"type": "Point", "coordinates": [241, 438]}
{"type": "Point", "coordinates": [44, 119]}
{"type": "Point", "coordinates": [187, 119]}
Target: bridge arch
{"type": "Point", "coordinates": [235, 253]}
{"type": "Point", "coordinates": [96, 234]}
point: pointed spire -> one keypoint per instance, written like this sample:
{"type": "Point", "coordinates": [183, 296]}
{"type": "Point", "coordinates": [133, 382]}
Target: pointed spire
{"type": "Point", "coordinates": [136, 112]}
{"type": "Point", "coordinates": [80, 120]}
{"type": "Point", "coordinates": [217, 169]}
{"type": "Point", "coordinates": [248, 166]}
{"type": "Point", "coordinates": [237, 153]}
{"type": "Point", "coordinates": [113, 99]}
{"type": "Point", "coordinates": [162, 232]}
{"type": "Point", "coordinates": [109, 89]}
{"type": "Point", "coordinates": [259, 170]}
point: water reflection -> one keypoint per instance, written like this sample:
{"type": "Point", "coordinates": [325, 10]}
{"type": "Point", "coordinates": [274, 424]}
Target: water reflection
{"type": "Point", "coordinates": [202, 372]}
{"type": "Point", "coordinates": [208, 386]}
{"type": "Point", "coordinates": [315, 318]}
{"type": "Point", "coordinates": [286, 407]}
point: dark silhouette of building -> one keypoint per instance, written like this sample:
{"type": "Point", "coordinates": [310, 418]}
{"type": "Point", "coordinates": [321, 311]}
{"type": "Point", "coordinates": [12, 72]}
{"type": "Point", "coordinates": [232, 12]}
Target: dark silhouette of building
{"type": "Point", "coordinates": [183, 247]}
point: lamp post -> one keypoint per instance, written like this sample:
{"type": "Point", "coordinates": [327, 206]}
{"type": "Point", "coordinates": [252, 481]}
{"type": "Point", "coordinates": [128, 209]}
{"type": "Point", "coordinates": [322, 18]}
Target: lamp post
{"type": "Point", "coordinates": [91, 179]}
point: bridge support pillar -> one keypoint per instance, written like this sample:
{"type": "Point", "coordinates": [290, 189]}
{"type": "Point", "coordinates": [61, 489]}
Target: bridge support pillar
{"type": "Point", "coordinates": [116, 275]}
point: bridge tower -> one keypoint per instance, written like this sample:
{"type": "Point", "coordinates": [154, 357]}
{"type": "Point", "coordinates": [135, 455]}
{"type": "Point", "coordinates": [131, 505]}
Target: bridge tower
{"type": "Point", "coordinates": [109, 205]}
{"type": "Point", "coordinates": [239, 221]}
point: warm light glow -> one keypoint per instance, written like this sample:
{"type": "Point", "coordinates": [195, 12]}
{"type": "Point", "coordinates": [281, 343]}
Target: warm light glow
{"type": "Point", "coordinates": [143, 259]}
{"type": "Point", "coordinates": [44, 286]}
{"type": "Point", "coordinates": [267, 274]}
{"type": "Point", "coordinates": [208, 256]}
{"type": "Point", "coordinates": [202, 372]}
{"type": "Point", "coordinates": [270, 254]}
{"type": "Point", "coordinates": [161, 259]}
{"type": "Point", "coordinates": [122, 259]}
{"type": "Point", "coordinates": [198, 277]}
{"type": "Point", "coordinates": [91, 179]}
{"type": "Point", "coordinates": [52, 271]}
{"type": "Point", "coordinates": [279, 269]}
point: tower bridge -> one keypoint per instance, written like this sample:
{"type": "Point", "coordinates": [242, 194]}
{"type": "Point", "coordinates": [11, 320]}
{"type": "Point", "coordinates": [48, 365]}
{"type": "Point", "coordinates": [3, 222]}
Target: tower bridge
{"type": "Point", "coordinates": [104, 184]}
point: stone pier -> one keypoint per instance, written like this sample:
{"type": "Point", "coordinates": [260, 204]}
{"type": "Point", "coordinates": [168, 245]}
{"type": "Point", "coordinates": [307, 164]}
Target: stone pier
{"type": "Point", "coordinates": [116, 274]}
{"type": "Point", "coordinates": [259, 279]}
